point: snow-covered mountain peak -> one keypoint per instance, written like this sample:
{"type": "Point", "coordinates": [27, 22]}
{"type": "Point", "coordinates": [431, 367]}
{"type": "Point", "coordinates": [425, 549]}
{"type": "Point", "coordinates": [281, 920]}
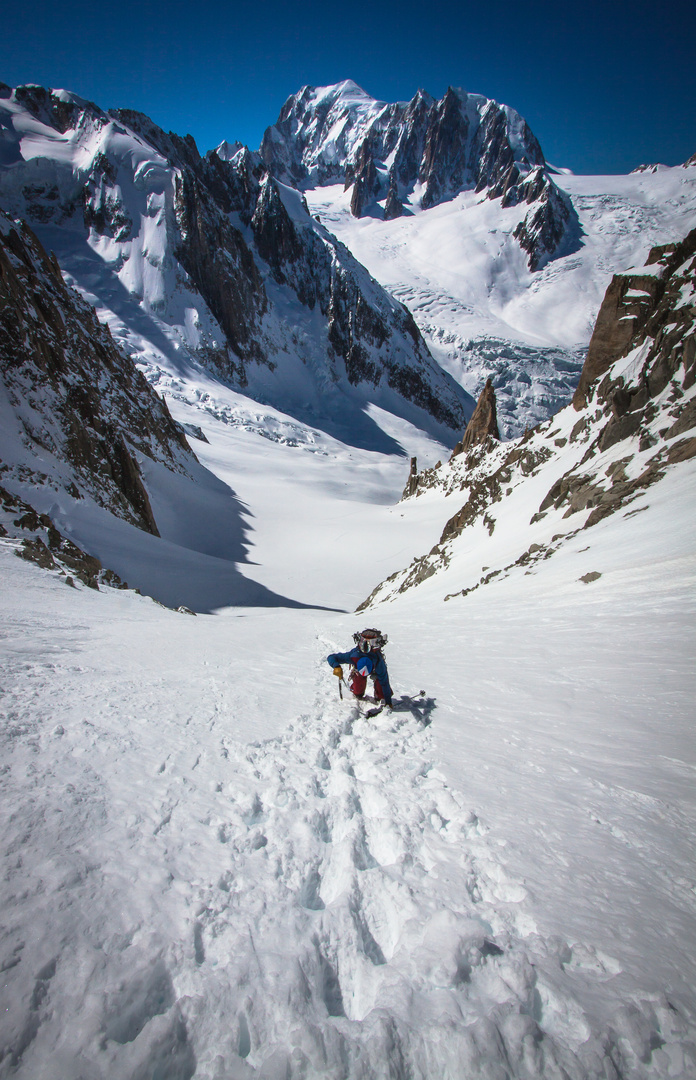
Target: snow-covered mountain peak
{"type": "Point", "coordinates": [318, 131]}
{"type": "Point", "coordinates": [322, 133]}
{"type": "Point", "coordinates": [347, 92]}
{"type": "Point", "coordinates": [226, 151]}
{"type": "Point", "coordinates": [401, 157]}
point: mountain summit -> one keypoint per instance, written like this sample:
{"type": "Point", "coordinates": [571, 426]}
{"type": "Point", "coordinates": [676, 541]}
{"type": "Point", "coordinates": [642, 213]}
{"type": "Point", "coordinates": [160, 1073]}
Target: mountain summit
{"type": "Point", "coordinates": [412, 155]}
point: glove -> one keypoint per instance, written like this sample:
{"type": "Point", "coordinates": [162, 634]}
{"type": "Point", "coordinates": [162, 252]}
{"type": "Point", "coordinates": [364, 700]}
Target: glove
{"type": "Point", "coordinates": [338, 672]}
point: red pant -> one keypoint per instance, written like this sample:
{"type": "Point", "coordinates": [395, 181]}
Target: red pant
{"type": "Point", "coordinates": [357, 684]}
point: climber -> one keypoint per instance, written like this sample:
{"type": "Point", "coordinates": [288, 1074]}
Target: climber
{"type": "Point", "coordinates": [366, 661]}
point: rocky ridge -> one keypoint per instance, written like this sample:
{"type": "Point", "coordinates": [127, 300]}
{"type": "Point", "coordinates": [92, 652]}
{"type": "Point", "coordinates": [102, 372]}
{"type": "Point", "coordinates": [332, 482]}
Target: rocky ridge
{"type": "Point", "coordinates": [77, 413]}
{"type": "Point", "coordinates": [632, 420]}
{"type": "Point", "coordinates": [384, 152]}
{"type": "Point", "coordinates": [226, 262]}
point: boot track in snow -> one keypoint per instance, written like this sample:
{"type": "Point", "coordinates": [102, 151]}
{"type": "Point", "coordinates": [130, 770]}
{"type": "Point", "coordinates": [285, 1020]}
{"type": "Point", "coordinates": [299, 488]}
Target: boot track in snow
{"type": "Point", "coordinates": [361, 926]}
{"type": "Point", "coordinates": [322, 904]}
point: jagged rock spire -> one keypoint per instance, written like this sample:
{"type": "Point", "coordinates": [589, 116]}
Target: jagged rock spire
{"type": "Point", "coordinates": [483, 423]}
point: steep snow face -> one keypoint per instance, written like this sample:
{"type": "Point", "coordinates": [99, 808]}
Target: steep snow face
{"type": "Point", "coordinates": [482, 311]}
{"type": "Point", "coordinates": [178, 255]}
{"type": "Point", "coordinates": [218, 880]}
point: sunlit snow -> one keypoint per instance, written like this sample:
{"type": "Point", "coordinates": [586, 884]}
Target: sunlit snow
{"type": "Point", "coordinates": [215, 868]}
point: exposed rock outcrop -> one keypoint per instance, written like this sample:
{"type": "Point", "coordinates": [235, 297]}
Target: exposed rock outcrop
{"type": "Point", "coordinates": [483, 424]}
{"type": "Point", "coordinates": [642, 304]}
{"type": "Point", "coordinates": [444, 166]}
{"type": "Point", "coordinates": [412, 482]}
{"type": "Point", "coordinates": [39, 542]}
{"type": "Point", "coordinates": [211, 249]}
{"type": "Point", "coordinates": [551, 226]}
{"type": "Point", "coordinates": [366, 183]}
{"type": "Point", "coordinates": [393, 207]}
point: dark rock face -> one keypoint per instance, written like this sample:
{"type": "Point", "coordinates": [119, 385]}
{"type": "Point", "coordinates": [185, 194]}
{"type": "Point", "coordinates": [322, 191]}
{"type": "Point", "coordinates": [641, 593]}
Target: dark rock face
{"type": "Point", "coordinates": [498, 167]}
{"type": "Point", "coordinates": [76, 397]}
{"type": "Point", "coordinates": [551, 226]}
{"type": "Point", "coordinates": [45, 104]}
{"type": "Point", "coordinates": [443, 168]}
{"type": "Point", "coordinates": [412, 482]}
{"type": "Point", "coordinates": [393, 207]}
{"type": "Point", "coordinates": [653, 313]}
{"type": "Point", "coordinates": [209, 247]}
{"type": "Point", "coordinates": [641, 305]}
{"type": "Point", "coordinates": [366, 184]}
{"type": "Point", "coordinates": [410, 139]}
{"type": "Point", "coordinates": [612, 334]}
{"type": "Point", "coordinates": [362, 333]}
{"type": "Point", "coordinates": [221, 266]}
{"type": "Point", "coordinates": [464, 141]}
{"type": "Point", "coordinates": [483, 424]}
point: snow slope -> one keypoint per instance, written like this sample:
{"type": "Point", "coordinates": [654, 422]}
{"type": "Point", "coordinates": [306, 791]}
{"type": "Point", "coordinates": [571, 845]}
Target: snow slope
{"type": "Point", "coordinates": [214, 868]}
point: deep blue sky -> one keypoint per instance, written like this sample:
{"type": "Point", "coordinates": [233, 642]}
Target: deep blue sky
{"type": "Point", "coordinates": [605, 86]}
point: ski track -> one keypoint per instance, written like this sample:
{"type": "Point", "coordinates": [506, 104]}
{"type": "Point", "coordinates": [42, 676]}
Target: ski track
{"type": "Point", "coordinates": [320, 904]}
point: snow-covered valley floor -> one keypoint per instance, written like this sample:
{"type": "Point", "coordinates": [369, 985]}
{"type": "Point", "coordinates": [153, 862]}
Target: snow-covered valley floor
{"type": "Point", "coordinates": [213, 867]}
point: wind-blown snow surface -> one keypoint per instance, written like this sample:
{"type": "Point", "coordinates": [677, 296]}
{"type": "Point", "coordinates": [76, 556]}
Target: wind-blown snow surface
{"type": "Point", "coordinates": [213, 868]}
{"type": "Point", "coordinates": [481, 310]}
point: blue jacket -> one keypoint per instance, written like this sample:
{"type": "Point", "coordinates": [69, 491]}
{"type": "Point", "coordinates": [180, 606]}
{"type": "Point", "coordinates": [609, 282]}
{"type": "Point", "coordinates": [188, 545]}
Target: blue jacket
{"type": "Point", "coordinates": [379, 669]}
